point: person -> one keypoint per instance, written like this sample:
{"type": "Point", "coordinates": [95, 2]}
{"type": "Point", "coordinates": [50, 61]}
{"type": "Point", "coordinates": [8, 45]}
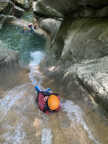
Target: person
{"type": "Point", "coordinates": [24, 30]}
{"type": "Point", "coordinates": [31, 27]}
{"type": "Point", "coordinates": [47, 102]}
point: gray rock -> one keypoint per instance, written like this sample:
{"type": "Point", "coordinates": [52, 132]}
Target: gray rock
{"type": "Point", "coordinates": [73, 7]}
{"type": "Point", "coordinates": [24, 3]}
{"type": "Point", "coordinates": [5, 18]}
{"type": "Point", "coordinates": [4, 4]}
{"type": "Point", "coordinates": [7, 57]}
{"type": "Point", "coordinates": [18, 11]}
{"type": "Point", "coordinates": [2, 20]}
{"type": "Point", "coordinates": [42, 9]}
{"type": "Point", "coordinates": [82, 44]}
{"type": "Point", "coordinates": [6, 9]}
{"type": "Point", "coordinates": [51, 26]}
{"type": "Point", "coordinates": [93, 75]}
{"type": "Point", "coordinates": [82, 39]}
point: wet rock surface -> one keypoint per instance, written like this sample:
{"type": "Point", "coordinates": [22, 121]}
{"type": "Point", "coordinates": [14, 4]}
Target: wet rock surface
{"type": "Point", "coordinates": [94, 77]}
{"type": "Point", "coordinates": [7, 57]}
{"type": "Point", "coordinates": [3, 5]}
{"type": "Point", "coordinates": [51, 26]}
{"type": "Point", "coordinates": [44, 10]}
{"type": "Point", "coordinates": [24, 3]}
{"type": "Point", "coordinates": [5, 9]}
{"type": "Point", "coordinates": [12, 8]}
{"type": "Point", "coordinates": [77, 8]}
{"type": "Point", "coordinates": [18, 12]}
{"type": "Point", "coordinates": [21, 120]}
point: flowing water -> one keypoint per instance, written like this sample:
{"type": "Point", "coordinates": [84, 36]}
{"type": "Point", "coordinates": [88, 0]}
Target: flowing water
{"type": "Point", "coordinates": [21, 122]}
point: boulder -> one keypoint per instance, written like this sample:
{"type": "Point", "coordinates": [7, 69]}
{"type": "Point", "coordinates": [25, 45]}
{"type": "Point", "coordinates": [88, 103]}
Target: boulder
{"type": "Point", "coordinates": [51, 26]}
{"type": "Point", "coordinates": [93, 75]}
{"type": "Point", "coordinates": [7, 57]}
{"type": "Point", "coordinates": [73, 7]}
{"type": "Point", "coordinates": [43, 10]}
{"type": "Point", "coordinates": [5, 18]}
{"type": "Point", "coordinates": [23, 3]}
{"type": "Point", "coordinates": [18, 12]}
{"type": "Point", "coordinates": [7, 10]}
{"type": "Point", "coordinates": [81, 39]}
{"type": "Point", "coordinates": [2, 19]}
{"type": "Point", "coordinates": [81, 48]}
{"type": "Point", "coordinates": [81, 44]}
{"type": "Point", "coordinates": [4, 4]}
{"type": "Point", "coordinates": [6, 7]}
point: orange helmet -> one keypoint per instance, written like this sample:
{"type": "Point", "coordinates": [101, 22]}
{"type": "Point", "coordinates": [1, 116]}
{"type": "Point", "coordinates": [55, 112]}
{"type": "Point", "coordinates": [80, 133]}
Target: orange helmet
{"type": "Point", "coordinates": [53, 102]}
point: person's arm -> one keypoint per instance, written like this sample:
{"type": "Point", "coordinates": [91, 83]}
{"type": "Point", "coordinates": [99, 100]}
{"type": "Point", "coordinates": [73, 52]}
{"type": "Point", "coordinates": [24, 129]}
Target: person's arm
{"type": "Point", "coordinates": [37, 89]}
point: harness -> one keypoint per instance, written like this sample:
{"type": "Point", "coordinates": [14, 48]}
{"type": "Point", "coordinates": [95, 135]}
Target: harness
{"type": "Point", "coordinates": [43, 106]}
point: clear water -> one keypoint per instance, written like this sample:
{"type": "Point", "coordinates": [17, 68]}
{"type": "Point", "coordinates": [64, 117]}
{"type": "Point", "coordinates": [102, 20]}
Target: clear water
{"type": "Point", "coordinates": [29, 45]}
{"type": "Point", "coordinates": [13, 37]}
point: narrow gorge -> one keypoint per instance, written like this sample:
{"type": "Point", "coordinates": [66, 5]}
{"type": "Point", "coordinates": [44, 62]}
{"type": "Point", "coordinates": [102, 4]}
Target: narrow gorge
{"type": "Point", "coordinates": [66, 50]}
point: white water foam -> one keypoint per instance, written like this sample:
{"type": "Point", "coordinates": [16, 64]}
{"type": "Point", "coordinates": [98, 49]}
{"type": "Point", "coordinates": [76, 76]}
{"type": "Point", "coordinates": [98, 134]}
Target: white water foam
{"type": "Point", "coordinates": [75, 114]}
{"type": "Point", "coordinates": [16, 137]}
{"type": "Point", "coordinates": [9, 100]}
{"type": "Point", "coordinates": [36, 59]}
{"type": "Point", "coordinates": [46, 137]}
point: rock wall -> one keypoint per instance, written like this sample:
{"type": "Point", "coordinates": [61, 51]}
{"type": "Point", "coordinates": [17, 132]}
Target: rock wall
{"type": "Point", "coordinates": [79, 52]}
{"type": "Point", "coordinates": [78, 8]}
{"type": "Point", "coordinates": [82, 39]}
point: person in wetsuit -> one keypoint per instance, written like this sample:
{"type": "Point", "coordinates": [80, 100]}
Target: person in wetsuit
{"type": "Point", "coordinates": [47, 101]}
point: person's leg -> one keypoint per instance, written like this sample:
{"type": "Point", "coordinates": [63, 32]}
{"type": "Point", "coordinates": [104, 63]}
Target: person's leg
{"type": "Point", "coordinates": [37, 97]}
{"type": "Point", "coordinates": [37, 90]}
{"type": "Point", "coordinates": [46, 108]}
